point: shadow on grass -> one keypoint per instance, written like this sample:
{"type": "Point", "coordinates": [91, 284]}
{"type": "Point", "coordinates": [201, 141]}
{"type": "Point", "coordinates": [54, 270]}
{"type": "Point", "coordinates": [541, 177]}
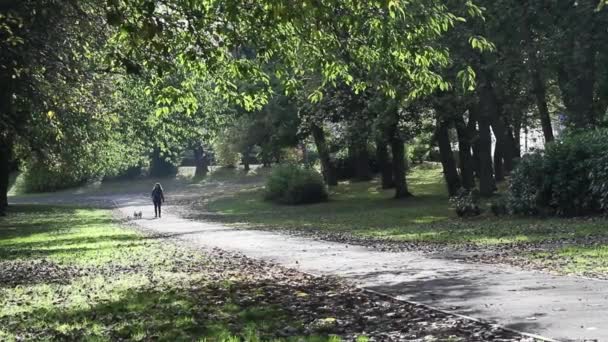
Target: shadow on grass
{"type": "Point", "coordinates": [249, 311]}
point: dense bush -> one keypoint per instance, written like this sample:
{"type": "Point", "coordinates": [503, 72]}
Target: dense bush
{"type": "Point", "coordinates": [225, 154]}
{"type": "Point", "coordinates": [292, 184]}
{"type": "Point", "coordinates": [466, 203]}
{"type": "Point", "coordinates": [598, 176]}
{"type": "Point", "coordinates": [525, 189]}
{"type": "Point", "coordinates": [499, 206]}
{"type": "Point", "coordinates": [47, 177]}
{"type": "Point", "coordinates": [569, 179]}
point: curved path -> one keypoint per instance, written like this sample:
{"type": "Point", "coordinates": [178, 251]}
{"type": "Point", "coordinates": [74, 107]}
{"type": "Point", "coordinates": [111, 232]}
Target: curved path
{"type": "Point", "coordinates": [559, 307]}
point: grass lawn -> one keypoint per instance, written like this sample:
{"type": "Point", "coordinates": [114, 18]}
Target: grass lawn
{"type": "Point", "coordinates": [364, 210]}
{"type": "Point", "coordinates": [74, 274]}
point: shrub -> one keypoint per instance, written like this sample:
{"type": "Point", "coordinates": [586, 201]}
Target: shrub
{"type": "Point", "coordinates": [598, 176]}
{"type": "Point", "coordinates": [418, 153]}
{"type": "Point", "coordinates": [566, 180]}
{"type": "Point", "coordinates": [292, 184]}
{"type": "Point", "coordinates": [46, 177]}
{"type": "Point", "coordinates": [466, 203]}
{"type": "Point", "coordinates": [225, 153]}
{"type": "Point", "coordinates": [499, 206]}
{"type": "Point", "coordinates": [526, 185]}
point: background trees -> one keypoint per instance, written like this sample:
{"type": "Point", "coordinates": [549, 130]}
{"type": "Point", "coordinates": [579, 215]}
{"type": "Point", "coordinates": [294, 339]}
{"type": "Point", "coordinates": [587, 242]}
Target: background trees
{"type": "Point", "coordinates": [139, 82]}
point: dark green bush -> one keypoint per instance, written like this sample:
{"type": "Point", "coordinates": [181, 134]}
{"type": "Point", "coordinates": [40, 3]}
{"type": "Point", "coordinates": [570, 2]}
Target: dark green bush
{"type": "Point", "coordinates": [598, 176]}
{"type": "Point", "coordinates": [567, 179]}
{"type": "Point", "coordinates": [41, 177]}
{"type": "Point", "coordinates": [526, 185]}
{"type": "Point", "coordinates": [292, 184]}
{"type": "Point", "coordinates": [499, 206]}
{"type": "Point", "coordinates": [466, 203]}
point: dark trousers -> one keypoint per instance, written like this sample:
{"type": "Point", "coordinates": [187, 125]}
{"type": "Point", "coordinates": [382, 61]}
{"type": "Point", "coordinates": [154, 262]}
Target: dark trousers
{"type": "Point", "coordinates": [157, 208]}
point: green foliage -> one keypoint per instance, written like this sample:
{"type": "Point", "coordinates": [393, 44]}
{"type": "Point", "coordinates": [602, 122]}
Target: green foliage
{"type": "Point", "coordinates": [224, 151]}
{"type": "Point", "coordinates": [419, 149]}
{"type": "Point", "coordinates": [41, 177]}
{"type": "Point", "coordinates": [599, 181]}
{"type": "Point", "coordinates": [418, 152]}
{"type": "Point", "coordinates": [466, 203]}
{"type": "Point", "coordinates": [498, 206]}
{"type": "Point", "coordinates": [567, 179]}
{"type": "Point", "coordinates": [525, 186]}
{"type": "Point", "coordinates": [292, 184]}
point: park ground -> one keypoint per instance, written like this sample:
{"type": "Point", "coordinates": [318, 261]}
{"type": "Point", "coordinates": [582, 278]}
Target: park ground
{"type": "Point", "coordinates": [81, 274]}
{"type": "Point", "coordinates": [362, 213]}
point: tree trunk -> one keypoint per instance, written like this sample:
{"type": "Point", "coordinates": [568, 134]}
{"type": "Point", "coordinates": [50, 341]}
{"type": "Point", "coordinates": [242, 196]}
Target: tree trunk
{"type": "Point", "coordinates": [363, 172]}
{"type": "Point", "coordinates": [399, 167]}
{"type": "Point", "coordinates": [499, 175]}
{"type": "Point", "coordinates": [467, 166]}
{"type": "Point", "coordinates": [245, 161]}
{"type": "Point", "coordinates": [541, 103]}
{"type": "Point", "coordinates": [160, 167]}
{"type": "Point", "coordinates": [327, 166]}
{"type": "Point", "coordinates": [201, 162]}
{"type": "Point", "coordinates": [386, 168]}
{"type": "Point", "coordinates": [538, 84]}
{"type": "Point", "coordinates": [5, 168]}
{"type": "Point", "coordinates": [487, 185]}
{"type": "Point", "coordinates": [576, 78]}
{"type": "Point", "coordinates": [450, 173]}
{"type": "Point", "coordinates": [517, 137]}
{"type": "Point", "coordinates": [474, 134]}
{"type": "Point", "coordinates": [491, 110]}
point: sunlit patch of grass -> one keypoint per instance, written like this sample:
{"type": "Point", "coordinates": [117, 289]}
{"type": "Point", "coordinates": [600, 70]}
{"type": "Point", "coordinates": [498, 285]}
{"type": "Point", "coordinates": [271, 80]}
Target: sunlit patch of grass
{"type": "Point", "coordinates": [580, 260]}
{"type": "Point", "coordinates": [366, 210]}
{"type": "Point", "coordinates": [73, 274]}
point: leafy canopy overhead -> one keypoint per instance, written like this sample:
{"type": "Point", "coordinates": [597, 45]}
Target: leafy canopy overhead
{"type": "Point", "coordinates": [389, 45]}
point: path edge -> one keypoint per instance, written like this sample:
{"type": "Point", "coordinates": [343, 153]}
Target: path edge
{"type": "Point", "coordinates": [445, 312]}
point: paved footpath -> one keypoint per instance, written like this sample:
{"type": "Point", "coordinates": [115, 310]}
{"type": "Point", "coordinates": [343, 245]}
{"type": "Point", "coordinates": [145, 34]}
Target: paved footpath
{"type": "Point", "coordinates": [563, 308]}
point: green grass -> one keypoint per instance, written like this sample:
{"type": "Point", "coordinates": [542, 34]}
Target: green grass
{"type": "Point", "coordinates": [366, 211]}
{"type": "Point", "coordinates": [74, 274]}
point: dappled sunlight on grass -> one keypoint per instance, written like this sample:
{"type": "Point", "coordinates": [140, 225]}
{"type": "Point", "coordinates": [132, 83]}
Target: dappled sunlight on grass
{"type": "Point", "coordinates": [362, 208]}
{"type": "Point", "coordinates": [73, 274]}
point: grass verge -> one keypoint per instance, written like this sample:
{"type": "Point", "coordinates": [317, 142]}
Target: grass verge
{"type": "Point", "coordinates": [367, 212]}
{"type": "Point", "coordinates": [73, 274]}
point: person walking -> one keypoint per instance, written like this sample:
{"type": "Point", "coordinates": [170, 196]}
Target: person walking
{"type": "Point", "coordinates": [157, 198]}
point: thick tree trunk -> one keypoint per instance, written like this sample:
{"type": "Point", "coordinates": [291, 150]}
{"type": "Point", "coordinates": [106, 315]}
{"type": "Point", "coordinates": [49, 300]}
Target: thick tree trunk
{"type": "Point", "coordinates": [450, 173]}
{"type": "Point", "coordinates": [540, 93]}
{"type": "Point", "coordinates": [487, 184]}
{"type": "Point", "coordinates": [327, 166]}
{"type": "Point", "coordinates": [363, 172]}
{"type": "Point", "coordinates": [399, 167]}
{"type": "Point", "coordinates": [538, 83]}
{"type": "Point", "coordinates": [498, 163]}
{"type": "Point", "coordinates": [467, 166]}
{"type": "Point", "coordinates": [201, 162]}
{"type": "Point", "coordinates": [160, 167]}
{"type": "Point", "coordinates": [517, 138]}
{"type": "Point", "coordinates": [5, 169]}
{"type": "Point", "coordinates": [576, 73]}
{"type": "Point", "coordinates": [491, 110]}
{"type": "Point", "coordinates": [385, 165]}
{"type": "Point", "coordinates": [474, 134]}
{"type": "Point", "coordinates": [245, 161]}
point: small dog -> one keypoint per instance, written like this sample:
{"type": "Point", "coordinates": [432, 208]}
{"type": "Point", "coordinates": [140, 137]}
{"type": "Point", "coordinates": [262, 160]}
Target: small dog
{"type": "Point", "coordinates": [137, 215]}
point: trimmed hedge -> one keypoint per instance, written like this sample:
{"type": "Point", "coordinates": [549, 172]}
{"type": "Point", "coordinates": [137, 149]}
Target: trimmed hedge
{"type": "Point", "coordinates": [292, 184]}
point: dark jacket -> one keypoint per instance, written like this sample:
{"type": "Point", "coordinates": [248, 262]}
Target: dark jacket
{"type": "Point", "coordinates": [157, 196]}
